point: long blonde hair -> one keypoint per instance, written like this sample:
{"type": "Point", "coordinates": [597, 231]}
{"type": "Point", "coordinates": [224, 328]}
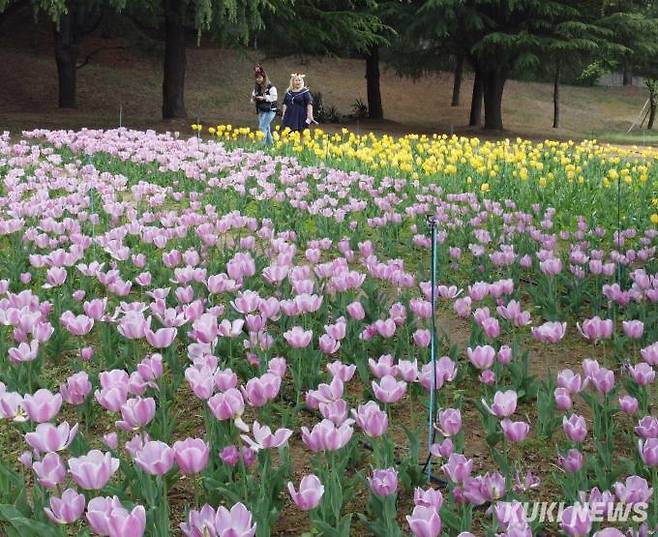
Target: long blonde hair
{"type": "Point", "coordinates": [292, 77]}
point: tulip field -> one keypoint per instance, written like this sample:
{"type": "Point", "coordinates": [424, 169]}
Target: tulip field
{"type": "Point", "coordinates": [337, 335]}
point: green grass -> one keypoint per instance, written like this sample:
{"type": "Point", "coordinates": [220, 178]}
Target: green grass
{"type": "Point", "coordinates": [639, 137]}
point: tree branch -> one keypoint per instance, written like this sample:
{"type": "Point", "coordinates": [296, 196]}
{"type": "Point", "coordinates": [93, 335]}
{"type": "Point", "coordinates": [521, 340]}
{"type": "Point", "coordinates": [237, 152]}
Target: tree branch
{"type": "Point", "coordinates": [95, 52]}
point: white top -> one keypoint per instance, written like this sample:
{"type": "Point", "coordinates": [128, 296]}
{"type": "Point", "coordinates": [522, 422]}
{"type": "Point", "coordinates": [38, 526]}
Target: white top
{"type": "Point", "coordinates": [270, 98]}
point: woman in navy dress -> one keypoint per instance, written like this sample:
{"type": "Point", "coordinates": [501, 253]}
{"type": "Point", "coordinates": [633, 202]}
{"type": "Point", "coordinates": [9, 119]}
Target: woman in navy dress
{"type": "Point", "coordinates": [297, 105]}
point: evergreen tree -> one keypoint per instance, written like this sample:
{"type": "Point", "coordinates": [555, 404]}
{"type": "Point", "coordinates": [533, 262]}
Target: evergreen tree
{"type": "Point", "coordinates": [333, 28]}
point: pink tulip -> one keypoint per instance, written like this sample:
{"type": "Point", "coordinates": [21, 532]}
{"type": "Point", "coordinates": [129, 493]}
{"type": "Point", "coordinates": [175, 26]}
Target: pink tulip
{"type": "Point", "coordinates": [603, 380]}
{"type": "Point", "coordinates": [191, 455]}
{"type": "Point", "coordinates": [310, 492]}
{"type": "Point", "coordinates": [201, 381]}
{"type": "Point", "coordinates": [575, 428]}
{"type": "Point", "coordinates": [297, 337]}
{"type": "Point", "coordinates": [562, 399]}
{"type": "Point", "coordinates": [230, 329]}
{"type": "Point", "coordinates": [549, 332]}
{"type": "Point", "coordinates": [224, 523]}
{"type": "Point", "coordinates": [205, 329]}
{"type": "Point", "coordinates": [341, 371]}
{"type": "Point", "coordinates": [572, 462]}
{"type": "Point", "coordinates": [230, 455]}
{"type": "Point", "coordinates": [277, 366]}
{"type": "Point", "coordinates": [491, 327]}
{"type": "Point", "coordinates": [66, 509]}
{"type": "Point", "coordinates": [50, 471]}
{"type": "Point", "coordinates": [385, 328]}
{"type": "Point", "coordinates": [227, 405]}
{"type": "Point", "coordinates": [642, 373]}
{"type": "Point", "coordinates": [24, 352]}
{"type": "Point", "coordinates": [551, 266]}
{"type": "Point", "coordinates": [49, 438]}
{"type": "Point", "coordinates": [389, 390]}
{"type": "Point", "coordinates": [482, 357]}
{"type": "Point", "coordinates": [431, 498]}
{"type": "Point", "coordinates": [487, 377]}
{"type": "Point", "coordinates": [634, 490]}
{"type": "Point", "coordinates": [123, 523]}
{"type": "Point", "coordinates": [326, 393]}
{"type": "Point", "coordinates": [93, 470]}
{"type": "Point", "coordinates": [633, 329]}
{"type": "Point", "coordinates": [450, 422]}
{"type": "Point", "coordinates": [383, 366]}
{"type": "Point", "coordinates": [424, 522]}
{"type": "Point", "coordinates": [504, 404]}
{"type": "Point", "coordinates": [576, 521]}
{"type": "Point", "coordinates": [326, 436]}
{"type": "Point", "coordinates": [372, 420]}
{"type": "Point", "coordinates": [504, 355]}
{"type": "Point", "coordinates": [647, 427]}
{"type": "Point", "coordinates": [78, 325]}
{"type": "Point", "coordinates": [132, 325]}
{"type": "Point", "coordinates": [114, 390]}
{"type": "Point", "coordinates": [161, 338]}
{"type": "Point", "coordinates": [609, 532]}
{"type": "Point", "coordinates": [11, 406]}
{"type": "Point", "coordinates": [458, 468]}
{"type": "Point", "coordinates": [649, 451]}
{"type": "Point", "coordinates": [328, 345]}
{"type": "Point", "coordinates": [596, 328]}
{"type": "Point", "coordinates": [650, 354]}
{"type": "Point", "coordinates": [384, 482]}
{"type": "Point", "coordinates": [356, 311]}
{"type": "Point", "coordinates": [444, 449]}
{"type": "Point", "coordinates": [76, 389]}
{"type": "Point", "coordinates": [408, 370]}
{"type": "Point", "coordinates": [55, 277]}
{"type": "Point", "coordinates": [99, 511]}
{"type": "Point", "coordinates": [136, 413]}
{"type": "Point", "coordinates": [260, 391]}
{"type": "Point", "coordinates": [570, 381]}
{"type": "Point", "coordinates": [155, 457]}
{"type": "Point", "coordinates": [226, 379]}
{"type": "Point", "coordinates": [111, 440]}
{"type": "Point", "coordinates": [42, 406]}
{"type": "Point", "coordinates": [151, 368]}
{"type": "Point", "coordinates": [629, 405]}
{"type": "Point", "coordinates": [422, 338]}
{"type": "Point", "coordinates": [265, 439]}
{"type": "Point", "coordinates": [462, 307]}
{"type": "Point", "coordinates": [335, 411]}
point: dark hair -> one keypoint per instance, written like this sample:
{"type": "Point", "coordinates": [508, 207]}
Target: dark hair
{"type": "Point", "coordinates": [259, 71]}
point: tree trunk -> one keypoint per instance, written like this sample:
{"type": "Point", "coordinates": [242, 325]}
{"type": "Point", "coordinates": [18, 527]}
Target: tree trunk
{"type": "Point", "coordinates": [653, 102]}
{"type": "Point", "coordinates": [457, 82]}
{"type": "Point", "coordinates": [476, 100]}
{"type": "Point", "coordinates": [628, 73]}
{"type": "Point", "coordinates": [375, 110]}
{"type": "Point", "coordinates": [556, 96]}
{"type": "Point", "coordinates": [66, 56]}
{"type": "Point", "coordinates": [173, 83]}
{"type": "Point", "coordinates": [494, 84]}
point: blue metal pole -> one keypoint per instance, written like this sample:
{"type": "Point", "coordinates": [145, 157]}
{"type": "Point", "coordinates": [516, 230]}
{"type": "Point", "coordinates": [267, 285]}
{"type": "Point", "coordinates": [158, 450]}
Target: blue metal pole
{"type": "Point", "coordinates": [433, 383]}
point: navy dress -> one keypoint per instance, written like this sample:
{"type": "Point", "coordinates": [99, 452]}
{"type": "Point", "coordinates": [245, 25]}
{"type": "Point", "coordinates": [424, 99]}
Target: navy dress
{"type": "Point", "coordinates": [296, 103]}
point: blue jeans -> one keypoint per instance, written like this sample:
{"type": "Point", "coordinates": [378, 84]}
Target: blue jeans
{"type": "Point", "coordinates": [264, 120]}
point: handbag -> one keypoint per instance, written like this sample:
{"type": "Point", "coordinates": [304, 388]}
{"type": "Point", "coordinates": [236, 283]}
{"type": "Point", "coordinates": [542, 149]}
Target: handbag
{"type": "Point", "coordinates": [263, 106]}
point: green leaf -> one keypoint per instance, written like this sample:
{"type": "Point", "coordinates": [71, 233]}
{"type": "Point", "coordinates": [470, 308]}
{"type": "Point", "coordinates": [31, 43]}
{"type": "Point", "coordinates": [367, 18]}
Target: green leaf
{"type": "Point", "coordinates": [26, 527]}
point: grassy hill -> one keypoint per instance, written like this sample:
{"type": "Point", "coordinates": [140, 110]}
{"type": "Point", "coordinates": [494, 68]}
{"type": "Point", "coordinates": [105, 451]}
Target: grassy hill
{"type": "Point", "coordinates": [219, 83]}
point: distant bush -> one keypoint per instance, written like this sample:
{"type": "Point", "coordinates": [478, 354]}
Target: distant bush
{"type": "Point", "coordinates": [324, 113]}
{"type": "Point", "coordinates": [359, 109]}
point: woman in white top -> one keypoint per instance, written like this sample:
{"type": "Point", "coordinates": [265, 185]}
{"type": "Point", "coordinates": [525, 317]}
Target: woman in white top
{"type": "Point", "coordinates": [264, 96]}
